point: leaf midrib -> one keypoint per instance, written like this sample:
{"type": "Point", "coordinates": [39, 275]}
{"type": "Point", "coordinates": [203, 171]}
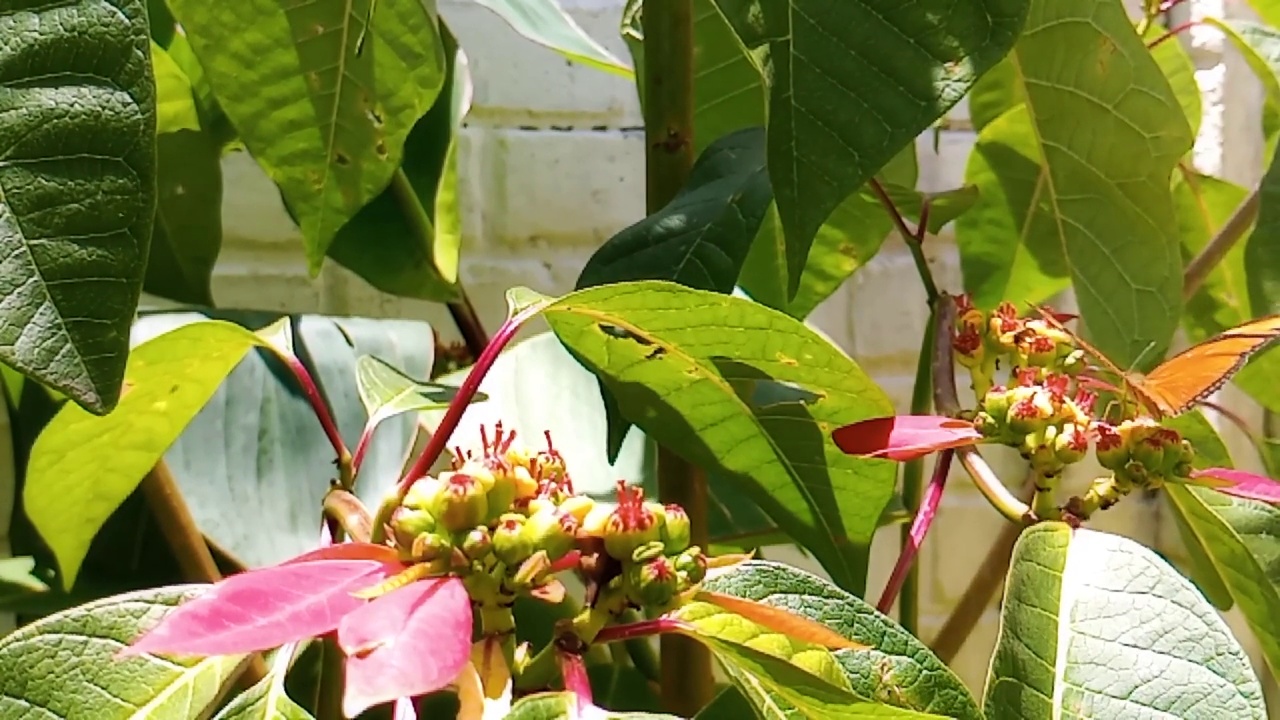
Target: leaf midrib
{"type": "Point", "coordinates": [720, 382]}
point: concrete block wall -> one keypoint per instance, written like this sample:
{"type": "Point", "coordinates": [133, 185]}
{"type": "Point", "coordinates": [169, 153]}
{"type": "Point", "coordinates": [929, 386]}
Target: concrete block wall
{"type": "Point", "coordinates": [552, 164]}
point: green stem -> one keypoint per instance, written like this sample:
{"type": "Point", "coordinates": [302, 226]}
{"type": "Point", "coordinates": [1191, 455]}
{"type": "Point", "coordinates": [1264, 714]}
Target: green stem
{"type": "Point", "coordinates": [687, 683]}
{"type": "Point", "coordinates": [913, 484]}
{"type": "Point", "coordinates": [641, 651]}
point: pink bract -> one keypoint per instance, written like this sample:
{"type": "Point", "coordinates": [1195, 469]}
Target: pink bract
{"type": "Point", "coordinates": [905, 437]}
{"type": "Point", "coordinates": [1240, 484]}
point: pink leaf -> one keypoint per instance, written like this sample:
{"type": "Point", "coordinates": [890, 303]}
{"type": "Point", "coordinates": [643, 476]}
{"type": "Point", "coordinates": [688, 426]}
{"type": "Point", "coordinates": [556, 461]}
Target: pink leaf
{"type": "Point", "coordinates": [265, 608]}
{"type": "Point", "coordinates": [1239, 483]}
{"type": "Point", "coordinates": [412, 641]}
{"type": "Point", "coordinates": [348, 551]}
{"type": "Point", "coordinates": [904, 437]}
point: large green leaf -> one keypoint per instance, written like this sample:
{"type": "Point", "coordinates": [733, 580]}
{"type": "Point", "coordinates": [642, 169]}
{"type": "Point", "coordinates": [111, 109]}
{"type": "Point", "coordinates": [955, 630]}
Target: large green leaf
{"type": "Point", "coordinates": [1210, 452]}
{"type": "Point", "coordinates": [780, 676]}
{"type": "Point", "coordinates": [546, 23]}
{"type": "Point", "coordinates": [700, 239]}
{"type": "Point", "coordinates": [995, 93]}
{"type": "Point", "coordinates": [728, 89]}
{"type": "Point", "coordinates": [1075, 183]}
{"type": "Point", "coordinates": [565, 706]}
{"type": "Point", "coordinates": [827, 60]}
{"type": "Point", "coordinates": [70, 491]}
{"type": "Point", "coordinates": [188, 229]}
{"type": "Point", "coordinates": [1203, 204]}
{"type": "Point", "coordinates": [267, 699]}
{"type": "Point", "coordinates": [406, 241]}
{"type": "Point", "coordinates": [254, 464]}
{"type": "Point", "coordinates": [1096, 625]}
{"type": "Point", "coordinates": [328, 123]}
{"type": "Point", "coordinates": [898, 669]}
{"type": "Point", "coordinates": [64, 666]}
{"type": "Point", "coordinates": [741, 389]}
{"type": "Point", "coordinates": [1180, 72]}
{"type": "Point", "coordinates": [77, 190]}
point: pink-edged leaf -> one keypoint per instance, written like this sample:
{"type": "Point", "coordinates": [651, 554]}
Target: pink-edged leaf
{"type": "Point", "coordinates": [1239, 483]}
{"type": "Point", "coordinates": [904, 437]}
{"type": "Point", "coordinates": [265, 608]}
{"type": "Point", "coordinates": [412, 641]}
{"type": "Point", "coordinates": [348, 551]}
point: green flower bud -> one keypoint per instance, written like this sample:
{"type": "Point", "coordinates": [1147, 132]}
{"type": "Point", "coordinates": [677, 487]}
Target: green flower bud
{"type": "Point", "coordinates": [651, 584]}
{"type": "Point", "coordinates": [691, 566]}
{"type": "Point", "coordinates": [676, 531]}
{"type": "Point", "coordinates": [462, 503]}
{"type": "Point", "coordinates": [631, 523]}
{"type": "Point", "coordinates": [1030, 410]}
{"type": "Point", "coordinates": [1071, 445]}
{"type": "Point", "coordinates": [430, 546]}
{"type": "Point", "coordinates": [478, 543]}
{"type": "Point", "coordinates": [1149, 453]}
{"type": "Point", "coordinates": [996, 404]}
{"type": "Point", "coordinates": [551, 530]}
{"type": "Point", "coordinates": [1112, 452]}
{"type": "Point", "coordinates": [510, 544]}
{"type": "Point", "coordinates": [579, 506]}
{"type": "Point", "coordinates": [648, 551]}
{"type": "Point", "coordinates": [408, 523]}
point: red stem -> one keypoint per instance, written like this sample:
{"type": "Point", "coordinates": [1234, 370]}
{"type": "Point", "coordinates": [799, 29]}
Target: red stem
{"type": "Point", "coordinates": [576, 681]}
{"type": "Point", "coordinates": [1172, 31]}
{"type": "Point", "coordinates": [321, 410]}
{"type": "Point", "coordinates": [919, 528]}
{"type": "Point", "coordinates": [643, 628]}
{"type": "Point", "coordinates": [361, 448]}
{"type": "Point", "coordinates": [471, 385]}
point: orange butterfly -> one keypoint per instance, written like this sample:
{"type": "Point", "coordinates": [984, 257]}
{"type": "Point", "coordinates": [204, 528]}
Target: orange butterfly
{"type": "Point", "coordinates": [1186, 379]}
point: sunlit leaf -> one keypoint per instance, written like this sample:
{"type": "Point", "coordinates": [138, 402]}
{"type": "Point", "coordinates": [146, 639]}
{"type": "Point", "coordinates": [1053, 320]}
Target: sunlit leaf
{"type": "Point", "coordinates": [387, 392]}
{"type": "Point", "coordinates": [546, 23]}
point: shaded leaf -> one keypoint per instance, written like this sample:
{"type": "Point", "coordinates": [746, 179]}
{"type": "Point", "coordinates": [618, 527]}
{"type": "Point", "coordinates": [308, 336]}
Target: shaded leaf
{"type": "Point", "coordinates": [1055, 202]}
{"type": "Point", "coordinates": [65, 664]}
{"type": "Point", "coordinates": [389, 242]}
{"type": "Point", "coordinates": [1203, 205]}
{"type": "Point", "coordinates": [565, 706]}
{"type": "Point", "coordinates": [1210, 451]}
{"type": "Point", "coordinates": [265, 608]}
{"type": "Point", "coordinates": [1075, 603]}
{"type": "Point", "coordinates": [79, 182]}
{"type": "Point", "coordinates": [904, 437]}
{"type": "Point", "coordinates": [1179, 71]}
{"type": "Point", "coordinates": [292, 71]}
{"type": "Point", "coordinates": [385, 639]}
{"type": "Point", "coordinates": [898, 669]}
{"type": "Point", "coordinates": [699, 239]}
{"type": "Point", "coordinates": [724, 382]}
{"type": "Point", "coordinates": [944, 207]}
{"type": "Point", "coordinates": [546, 23]}
{"type": "Point", "coordinates": [187, 236]}
{"type": "Point", "coordinates": [825, 140]}
{"type": "Point", "coordinates": [996, 92]}
{"type": "Point", "coordinates": [267, 699]}
{"type": "Point", "coordinates": [168, 380]}
{"type": "Point", "coordinates": [254, 465]}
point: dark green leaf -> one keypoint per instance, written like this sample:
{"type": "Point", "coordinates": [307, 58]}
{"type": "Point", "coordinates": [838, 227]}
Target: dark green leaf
{"type": "Point", "coordinates": [254, 464]}
{"type": "Point", "coordinates": [1198, 564]}
{"type": "Point", "coordinates": [69, 491]}
{"type": "Point", "coordinates": [898, 669]}
{"type": "Point", "coordinates": [701, 237]}
{"type": "Point", "coordinates": [77, 128]}
{"type": "Point", "coordinates": [730, 704]}
{"type": "Point", "coordinates": [406, 241]}
{"type": "Point", "coordinates": [1055, 201]}
{"type": "Point", "coordinates": [1178, 69]}
{"type": "Point", "coordinates": [63, 666]}
{"type": "Point", "coordinates": [565, 706]}
{"type": "Point", "coordinates": [328, 124]}
{"type": "Point", "coordinates": [267, 699]}
{"type": "Point", "coordinates": [944, 207]}
{"type": "Point", "coordinates": [1096, 625]}
{"type": "Point", "coordinates": [741, 389]}
{"type": "Point", "coordinates": [826, 138]}
{"type": "Point", "coordinates": [1203, 204]}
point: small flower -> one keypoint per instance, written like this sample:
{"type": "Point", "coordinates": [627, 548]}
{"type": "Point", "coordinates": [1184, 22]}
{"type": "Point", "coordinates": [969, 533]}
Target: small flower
{"type": "Point", "coordinates": [691, 565]}
{"type": "Point", "coordinates": [551, 530]}
{"type": "Point", "coordinates": [651, 584]}
{"type": "Point", "coordinates": [1072, 444]}
{"type": "Point", "coordinates": [478, 543]}
{"type": "Point", "coordinates": [626, 525]}
{"type": "Point", "coordinates": [676, 531]}
{"type": "Point", "coordinates": [462, 503]}
{"type": "Point", "coordinates": [970, 350]}
{"type": "Point", "coordinates": [510, 544]}
{"type": "Point", "coordinates": [1110, 447]}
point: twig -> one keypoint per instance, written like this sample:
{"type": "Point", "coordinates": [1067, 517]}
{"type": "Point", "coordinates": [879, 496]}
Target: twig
{"type": "Point", "coordinates": [912, 490]}
{"type": "Point", "coordinates": [1172, 32]}
{"type": "Point", "coordinates": [1227, 236]}
{"type": "Point", "coordinates": [468, 321]}
{"type": "Point", "coordinates": [186, 541]}
{"type": "Point", "coordinates": [977, 596]}
{"type": "Point", "coordinates": [913, 238]}
{"type": "Point", "coordinates": [915, 536]}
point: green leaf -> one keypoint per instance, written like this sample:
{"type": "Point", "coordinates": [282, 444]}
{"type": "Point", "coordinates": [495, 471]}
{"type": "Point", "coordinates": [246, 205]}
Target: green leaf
{"type": "Point", "coordinates": [266, 700]}
{"type": "Point", "coordinates": [387, 392]}
{"type": "Point", "coordinates": [17, 581]}
{"type": "Point", "coordinates": [728, 89]}
{"type": "Point", "coordinates": [406, 241]}
{"type": "Point", "coordinates": [70, 492]}
{"type": "Point", "coordinates": [1259, 45]}
{"type": "Point", "coordinates": [726, 383]}
{"type": "Point", "coordinates": [1096, 625]}
{"type": "Point", "coordinates": [1180, 72]}
{"type": "Point", "coordinates": [258, 437]}
{"type": "Point", "coordinates": [175, 105]}
{"type": "Point", "coordinates": [1268, 10]}
{"type": "Point", "coordinates": [64, 665]}
{"type": "Point", "coordinates": [1203, 204]}
{"type": "Point", "coordinates": [79, 196]}
{"type": "Point", "coordinates": [565, 706]}
{"type": "Point", "coordinates": [1241, 539]}
{"type": "Point", "coordinates": [898, 669]}
{"type": "Point", "coordinates": [1056, 201]}
{"type": "Point", "coordinates": [995, 93]}
{"type": "Point", "coordinates": [770, 667]}
{"type": "Point", "coordinates": [546, 23]}
{"type": "Point", "coordinates": [699, 239]}
{"type": "Point", "coordinates": [730, 704]}
{"type": "Point", "coordinates": [944, 207]}
{"type": "Point", "coordinates": [826, 59]}
{"type": "Point", "coordinates": [328, 124]}
{"type": "Point", "coordinates": [1210, 452]}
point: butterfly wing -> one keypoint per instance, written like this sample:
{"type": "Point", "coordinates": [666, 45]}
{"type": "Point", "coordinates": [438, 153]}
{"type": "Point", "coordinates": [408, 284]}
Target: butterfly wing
{"type": "Point", "coordinates": [1192, 375]}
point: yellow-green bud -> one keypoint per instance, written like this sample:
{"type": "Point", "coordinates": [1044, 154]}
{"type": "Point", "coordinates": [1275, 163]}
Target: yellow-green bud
{"type": "Point", "coordinates": [462, 502]}
{"type": "Point", "coordinates": [478, 543]}
{"type": "Point", "coordinates": [647, 552]}
{"type": "Point", "coordinates": [691, 566]}
{"type": "Point", "coordinates": [551, 530]}
{"type": "Point", "coordinates": [408, 523]}
{"type": "Point", "coordinates": [510, 544]}
{"type": "Point", "coordinates": [1071, 444]}
{"type": "Point", "coordinates": [676, 531]}
{"type": "Point", "coordinates": [632, 523]}
{"type": "Point", "coordinates": [651, 584]}
{"type": "Point", "coordinates": [579, 506]}
{"type": "Point", "coordinates": [430, 546]}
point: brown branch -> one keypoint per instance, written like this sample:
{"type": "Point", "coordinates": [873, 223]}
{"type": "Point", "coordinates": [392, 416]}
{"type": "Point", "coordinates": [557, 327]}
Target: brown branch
{"type": "Point", "coordinates": [1228, 235]}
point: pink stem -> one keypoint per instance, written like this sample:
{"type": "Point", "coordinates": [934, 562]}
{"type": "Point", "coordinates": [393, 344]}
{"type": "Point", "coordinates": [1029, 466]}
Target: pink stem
{"type": "Point", "coordinates": [362, 447]}
{"type": "Point", "coordinates": [575, 676]}
{"type": "Point", "coordinates": [1172, 32]}
{"type": "Point", "coordinates": [321, 411]}
{"type": "Point", "coordinates": [919, 528]}
{"type": "Point", "coordinates": [643, 628]}
{"type": "Point", "coordinates": [466, 392]}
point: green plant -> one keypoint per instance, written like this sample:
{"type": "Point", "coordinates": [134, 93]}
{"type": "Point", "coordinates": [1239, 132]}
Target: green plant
{"type": "Point", "coordinates": [227, 513]}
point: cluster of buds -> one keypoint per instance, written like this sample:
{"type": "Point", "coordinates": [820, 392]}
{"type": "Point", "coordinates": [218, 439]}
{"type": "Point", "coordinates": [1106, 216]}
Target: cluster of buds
{"type": "Point", "coordinates": [1048, 416]}
{"type": "Point", "coordinates": [508, 521]}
